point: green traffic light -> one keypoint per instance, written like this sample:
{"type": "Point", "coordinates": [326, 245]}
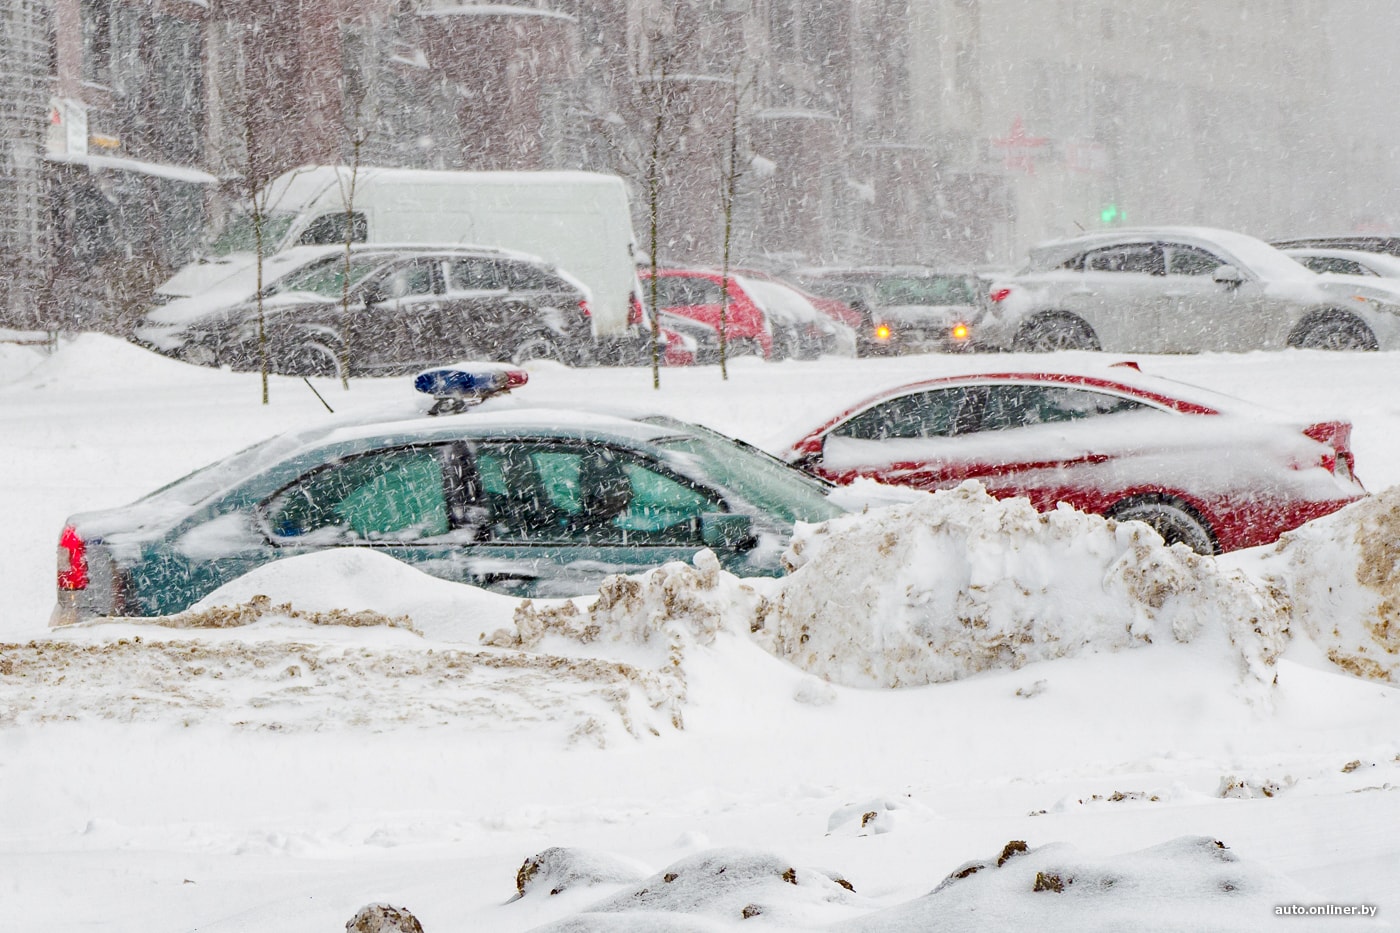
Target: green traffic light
{"type": "Point", "coordinates": [1110, 214]}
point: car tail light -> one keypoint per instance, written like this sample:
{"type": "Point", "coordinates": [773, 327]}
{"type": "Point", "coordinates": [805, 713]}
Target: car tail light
{"type": "Point", "coordinates": [634, 309]}
{"type": "Point", "coordinates": [1337, 435]}
{"type": "Point", "coordinates": [1000, 294]}
{"type": "Point", "coordinates": [584, 309]}
{"type": "Point", "coordinates": [72, 560]}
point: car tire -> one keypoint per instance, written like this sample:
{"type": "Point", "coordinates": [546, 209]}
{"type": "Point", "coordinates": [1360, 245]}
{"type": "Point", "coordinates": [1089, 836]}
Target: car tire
{"type": "Point", "coordinates": [1052, 332]}
{"type": "Point", "coordinates": [538, 346]}
{"type": "Point", "coordinates": [314, 356]}
{"type": "Point", "coordinates": [1338, 331]}
{"type": "Point", "coordinates": [1171, 518]}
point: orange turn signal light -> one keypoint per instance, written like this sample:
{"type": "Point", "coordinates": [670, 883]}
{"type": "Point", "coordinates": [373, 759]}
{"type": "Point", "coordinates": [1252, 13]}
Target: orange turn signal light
{"type": "Point", "coordinates": [882, 332]}
{"type": "Point", "coordinates": [961, 332]}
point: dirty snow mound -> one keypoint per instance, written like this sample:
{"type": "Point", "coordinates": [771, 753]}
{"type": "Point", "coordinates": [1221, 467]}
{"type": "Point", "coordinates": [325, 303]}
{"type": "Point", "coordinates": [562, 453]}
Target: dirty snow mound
{"type": "Point", "coordinates": [559, 869]}
{"type": "Point", "coordinates": [961, 582]}
{"type": "Point", "coordinates": [654, 618]}
{"type": "Point", "coordinates": [1187, 883]}
{"type": "Point", "coordinates": [296, 680]}
{"type": "Point", "coordinates": [1341, 576]}
{"type": "Point", "coordinates": [720, 889]}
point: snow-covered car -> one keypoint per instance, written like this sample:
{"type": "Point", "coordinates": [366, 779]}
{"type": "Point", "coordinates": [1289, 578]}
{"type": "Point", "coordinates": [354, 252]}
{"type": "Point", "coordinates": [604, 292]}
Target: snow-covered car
{"type": "Point", "coordinates": [1203, 469]}
{"type": "Point", "coordinates": [905, 308]}
{"type": "Point", "coordinates": [407, 308]}
{"type": "Point", "coordinates": [1346, 262]}
{"type": "Point", "coordinates": [529, 502]}
{"type": "Point", "coordinates": [800, 329]}
{"type": "Point", "coordinates": [1363, 242]}
{"type": "Point", "coordinates": [1178, 290]}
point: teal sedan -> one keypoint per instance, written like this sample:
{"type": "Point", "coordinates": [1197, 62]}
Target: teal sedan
{"type": "Point", "coordinates": [527, 502]}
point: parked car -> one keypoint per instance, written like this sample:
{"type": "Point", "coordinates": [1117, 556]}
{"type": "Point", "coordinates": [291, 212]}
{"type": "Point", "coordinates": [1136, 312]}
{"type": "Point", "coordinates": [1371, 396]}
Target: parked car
{"type": "Point", "coordinates": [800, 330]}
{"type": "Point", "coordinates": [529, 502]}
{"type": "Point", "coordinates": [698, 294]}
{"type": "Point", "coordinates": [1369, 243]}
{"type": "Point", "coordinates": [1205, 470]}
{"type": "Point", "coordinates": [407, 308]}
{"type": "Point", "coordinates": [834, 308]}
{"type": "Point", "coordinates": [1346, 262]}
{"type": "Point", "coordinates": [904, 308]}
{"type": "Point", "coordinates": [579, 221]}
{"type": "Point", "coordinates": [1177, 290]}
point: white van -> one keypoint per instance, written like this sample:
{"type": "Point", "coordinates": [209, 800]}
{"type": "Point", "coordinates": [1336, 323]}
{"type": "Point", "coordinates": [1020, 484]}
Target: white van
{"type": "Point", "coordinates": [579, 221]}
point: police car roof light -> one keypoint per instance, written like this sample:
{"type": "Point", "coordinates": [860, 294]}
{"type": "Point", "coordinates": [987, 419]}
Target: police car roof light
{"type": "Point", "coordinates": [457, 388]}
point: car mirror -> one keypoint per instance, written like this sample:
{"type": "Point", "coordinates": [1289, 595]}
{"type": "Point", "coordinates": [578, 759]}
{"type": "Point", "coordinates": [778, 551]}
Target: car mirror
{"type": "Point", "coordinates": [1227, 275]}
{"type": "Point", "coordinates": [809, 452]}
{"type": "Point", "coordinates": [727, 530]}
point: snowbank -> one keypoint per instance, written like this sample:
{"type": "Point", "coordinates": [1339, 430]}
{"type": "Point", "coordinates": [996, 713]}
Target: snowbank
{"type": "Point", "coordinates": [1339, 577]}
{"type": "Point", "coordinates": [1187, 883]}
{"type": "Point", "coordinates": [961, 582]}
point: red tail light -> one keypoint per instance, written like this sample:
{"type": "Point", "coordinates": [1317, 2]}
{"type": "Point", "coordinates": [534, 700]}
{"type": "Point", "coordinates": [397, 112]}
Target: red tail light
{"type": "Point", "coordinates": [584, 309]}
{"type": "Point", "coordinates": [634, 309]}
{"type": "Point", "coordinates": [1337, 435]}
{"type": "Point", "coordinates": [1000, 294]}
{"type": "Point", "coordinates": [72, 560]}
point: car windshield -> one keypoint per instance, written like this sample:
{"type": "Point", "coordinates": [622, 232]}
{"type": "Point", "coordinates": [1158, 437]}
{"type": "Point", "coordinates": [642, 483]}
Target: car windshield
{"type": "Point", "coordinates": [327, 277]}
{"type": "Point", "coordinates": [240, 236]}
{"type": "Point", "coordinates": [768, 484]}
{"type": "Point", "coordinates": [926, 290]}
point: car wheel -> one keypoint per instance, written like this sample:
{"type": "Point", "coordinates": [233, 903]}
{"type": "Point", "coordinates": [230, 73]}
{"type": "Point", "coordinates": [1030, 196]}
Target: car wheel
{"type": "Point", "coordinates": [537, 347]}
{"type": "Point", "coordinates": [1175, 521]}
{"type": "Point", "coordinates": [310, 357]}
{"type": "Point", "coordinates": [1337, 333]}
{"type": "Point", "coordinates": [1055, 332]}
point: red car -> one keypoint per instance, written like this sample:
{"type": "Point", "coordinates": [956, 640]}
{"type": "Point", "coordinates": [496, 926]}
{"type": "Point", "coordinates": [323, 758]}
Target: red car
{"type": "Point", "coordinates": [1210, 471]}
{"type": "Point", "coordinates": [697, 295]}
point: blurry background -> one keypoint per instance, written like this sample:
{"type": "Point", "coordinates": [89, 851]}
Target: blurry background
{"type": "Point", "coordinates": [945, 132]}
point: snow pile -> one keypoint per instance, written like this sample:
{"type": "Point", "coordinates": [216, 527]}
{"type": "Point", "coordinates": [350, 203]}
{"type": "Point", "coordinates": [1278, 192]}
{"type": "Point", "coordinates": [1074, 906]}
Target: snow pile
{"type": "Point", "coordinates": [359, 580]}
{"type": "Point", "coordinates": [559, 869]}
{"type": "Point", "coordinates": [1187, 883]}
{"type": "Point", "coordinates": [653, 619]}
{"type": "Point", "coordinates": [1340, 576]}
{"type": "Point", "coordinates": [716, 890]}
{"type": "Point", "coordinates": [961, 582]}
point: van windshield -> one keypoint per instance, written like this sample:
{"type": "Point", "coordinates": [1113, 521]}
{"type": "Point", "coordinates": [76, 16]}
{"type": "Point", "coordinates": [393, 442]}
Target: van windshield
{"type": "Point", "coordinates": [238, 235]}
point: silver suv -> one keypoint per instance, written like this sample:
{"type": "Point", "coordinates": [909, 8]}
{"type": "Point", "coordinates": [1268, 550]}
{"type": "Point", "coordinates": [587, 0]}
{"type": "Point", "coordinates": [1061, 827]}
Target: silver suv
{"type": "Point", "coordinates": [1178, 290]}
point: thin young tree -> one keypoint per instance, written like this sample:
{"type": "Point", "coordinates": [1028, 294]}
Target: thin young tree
{"type": "Point", "coordinates": [730, 173]}
{"type": "Point", "coordinates": [643, 146]}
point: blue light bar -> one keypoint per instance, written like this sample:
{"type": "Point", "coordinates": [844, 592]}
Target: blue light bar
{"type": "Point", "coordinates": [457, 388]}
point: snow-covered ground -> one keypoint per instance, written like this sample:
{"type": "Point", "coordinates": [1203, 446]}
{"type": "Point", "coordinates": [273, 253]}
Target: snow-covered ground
{"type": "Point", "coordinates": [1111, 735]}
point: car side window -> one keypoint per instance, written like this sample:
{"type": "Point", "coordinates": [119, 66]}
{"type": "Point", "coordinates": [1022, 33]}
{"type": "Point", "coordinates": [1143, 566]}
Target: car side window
{"type": "Point", "coordinates": [522, 277]}
{"type": "Point", "coordinates": [475, 275]}
{"type": "Point", "coordinates": [937, 413]}
{"type": "Point", "coordinates": [1019, 406]}
{"type": "Point", "coordinates": [329, 229]}
{"type": "Point", "coordinates": [410, 280]}
{"type": "Point", "coordinates": [543, 492]}
{"type": "Point", "coordinates": [683, 291]}
{"type": "Point", "coordinates": [1191, 260]}
{"type": "Point", "coordinates": [1142, 258]}
{"type": "Point", "coordinates": [1335, 265]}
{"type": "Point", "coordinates": [400, 494]}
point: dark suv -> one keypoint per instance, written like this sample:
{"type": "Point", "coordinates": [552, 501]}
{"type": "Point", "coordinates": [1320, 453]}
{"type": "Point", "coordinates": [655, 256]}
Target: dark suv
{"type": "Point", "coordinates": [904, 308]}
{"type": "Point", "coordinates": [406, 309]}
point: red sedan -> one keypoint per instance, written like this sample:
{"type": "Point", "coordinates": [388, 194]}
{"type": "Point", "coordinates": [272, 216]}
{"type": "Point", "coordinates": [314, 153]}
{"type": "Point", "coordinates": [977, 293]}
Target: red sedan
{"type": "Point", "coordinates": [1203, 469]}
